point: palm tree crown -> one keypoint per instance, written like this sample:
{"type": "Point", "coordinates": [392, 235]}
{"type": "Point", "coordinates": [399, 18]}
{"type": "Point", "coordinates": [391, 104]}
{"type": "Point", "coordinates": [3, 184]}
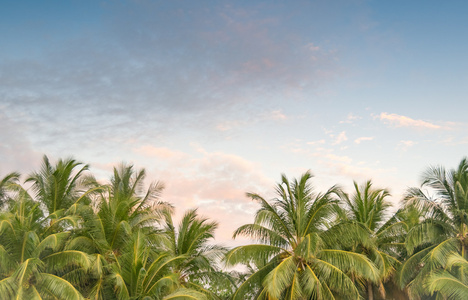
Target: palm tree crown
{"type": "Point", "coordinates": [296, 257]}
{"type": "Point", "coordinates": [443, 201]}
{"type": "Point", "coordinates": [368, 206]}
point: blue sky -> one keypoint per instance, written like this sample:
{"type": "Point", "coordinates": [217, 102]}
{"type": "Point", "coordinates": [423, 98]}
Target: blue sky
{"type": "Point", "coordinates": [217, 98]}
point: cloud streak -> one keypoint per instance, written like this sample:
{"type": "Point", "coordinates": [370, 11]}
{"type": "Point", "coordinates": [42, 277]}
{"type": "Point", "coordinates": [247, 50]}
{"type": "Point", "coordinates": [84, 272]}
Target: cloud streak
{"type": "Point", "coordinates": [405, 145]}
{"type": "Point", "coordinates": [362, 139]}
{"type": "Point", "coordinates": [403, 121]}
{"type": "Point", "coordinates": [340, 138]}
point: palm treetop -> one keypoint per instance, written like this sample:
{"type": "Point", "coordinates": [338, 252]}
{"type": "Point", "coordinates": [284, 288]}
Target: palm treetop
{"type": "Point", "coordinates": [442, 202]}
{"type": "Point", "coordinates": [296, 258]}
{"type": "Point", "coordinates": [368, 205]}
{"type": "Point", "coordinates": [297, 212]}
{"type": "Point", "coordinates": [57, 186]}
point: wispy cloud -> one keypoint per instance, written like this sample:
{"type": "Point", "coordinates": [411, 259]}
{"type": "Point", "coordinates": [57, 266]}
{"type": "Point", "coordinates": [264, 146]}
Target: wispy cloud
{"type": "Point", "coordinates": [403, 121]}
{"type": "Point", "coordinates": [319, 142]}
{"type": "Point", "coordinates": [364, 138]}
{"type": "Point", "coordinates": [273, 115]}
{"type": "Point", "coordinates": [160, 152]}
{"type": "Point", "coordinates": [171, 66]}
{"type": "Point", "coordinates": [341, 137]}
{"type": "Point", "coordinates": [350, 118]}
{"type": "Point", "coordinates": [312, 47]}
{"type": "Point", "coordinates": [16, 151]}
{"type": "Point", "coordinates": [405, 145]}
{"type": "Point", "coordinates": [276, 115]}
{"type": "Point", "coordinates": [216, 182]}
{"type": "Point", "coordinates": [229, 125]}
{"type": "Point", "coordinates": [344, 165]}
{"type": "Point", "coordinates": [453, 141]}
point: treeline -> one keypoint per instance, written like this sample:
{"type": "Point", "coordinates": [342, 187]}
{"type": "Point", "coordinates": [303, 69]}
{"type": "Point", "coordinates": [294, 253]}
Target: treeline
{"type": "Point", "coordinates": [66, 236]}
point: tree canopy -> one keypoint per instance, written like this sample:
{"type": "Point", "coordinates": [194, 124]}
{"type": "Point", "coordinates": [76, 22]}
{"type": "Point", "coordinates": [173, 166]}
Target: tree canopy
{"type": "Point", "coordinates": [68, 236]}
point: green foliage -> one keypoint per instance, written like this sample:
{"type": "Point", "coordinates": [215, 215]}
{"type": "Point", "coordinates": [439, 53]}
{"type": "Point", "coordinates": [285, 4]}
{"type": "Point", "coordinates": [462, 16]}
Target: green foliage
{"type": "Point", "coordinates": [68, 237]}
{"type": "Point", "coordinates": [442, 201]}
{"type": "Point", "coordinates": [33, 259]}
{"type": "Point", "coordinates": [296, 258]}
{"type": "Point", "coordinates": [381, 239]}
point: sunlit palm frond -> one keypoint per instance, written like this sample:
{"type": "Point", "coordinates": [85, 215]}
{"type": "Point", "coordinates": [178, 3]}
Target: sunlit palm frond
{"type": "Point", "coordinates": [447, 285]}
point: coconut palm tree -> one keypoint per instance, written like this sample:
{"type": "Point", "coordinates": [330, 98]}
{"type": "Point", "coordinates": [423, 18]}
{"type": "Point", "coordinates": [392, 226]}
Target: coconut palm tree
{"type": "Point", "coordinates": [38, 232]}
{"type": "Point", "coordinates": [144, 272]}
{"type": "Point", "coordinates": [124, 205]}
{"type": "Point", "coordinates": [122, 209]}
{"type": "Point", "coordinates": [443, 200]}
{"type": "Point", "coordinates": [124, 235]}
{"type": "Point", "coordinates": [191, 241]}
{"type": "Point", "coordinates": [302, 253]}
{"type": "Point", "coordinates": [62, 190]}
{"type": "Point", "coordinates": [57, 187]}
{"type": "Point", "coordinates": [369, 207]}
{"type": "Point", "coordinates": [446, 284]}
{"type": "Point", "coordinates": [35, 262]}
{"type": "Point", "coordinates": [5, 188]}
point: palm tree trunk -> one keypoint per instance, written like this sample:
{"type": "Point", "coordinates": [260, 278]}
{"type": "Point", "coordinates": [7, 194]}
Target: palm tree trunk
{"type": "Point", "coordinates": [370, 292]}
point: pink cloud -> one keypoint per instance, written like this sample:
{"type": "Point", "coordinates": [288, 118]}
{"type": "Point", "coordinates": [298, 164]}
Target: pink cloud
{"type": "Point", "coordinates": [277, 115]}
{"type": "Point", "coordinates": [213, 182]}
{"type": "Point", "coordinates": [319, 142]}
{"type": "Point", "coordinates": [229, 125]}
{"type": "Point", "coordinates": [403, 121]}
{"type": "Point", "coordinates": [350, 119]}
{"type": "Point", "coordinates": [345, 166]}
{"type": "Point", "coordinates": [404, 145]}
{"type": "Point", "coordinates": [339, 138]}
{"type": "Point", "coordinates": [160, 152]}
{"type": "Point", "coordinates": [364, 138]}
{"type": "Point", "coordinates": [312, 47]}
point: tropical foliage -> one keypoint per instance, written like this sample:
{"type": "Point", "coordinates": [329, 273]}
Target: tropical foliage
{"type": "Point", "coordinates": [442, 200]}
{"type": "Point", "coordinates": [297, 251]}
{"type": "Point", "coordinates": [64, 235]}
{"type": "Point", "coordinates": [368, 207]}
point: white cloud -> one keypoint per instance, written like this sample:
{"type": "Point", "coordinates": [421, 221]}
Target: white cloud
{"type": "Point", "coordinates": [350, 118]}
{"type": "Point", "coordinates": [403, 121]}
{"type": "Point", "coordinates": [16, 151]}
{"type": "Point", "coordinates": [405, 145]}
{"type": "Point", "coordinates": [312, 47]}
{"type": "Point", "coordinates": [340, 138]}
{"type": "Point", "coordinates": [277, 115]}
{"type": "Point", "coordinates": [160, 152]}
{"type": "Point", "coordinates": [343, 166]}
{"type": "Point", "coordinates": [364, 138]}
{"type": "Point", "coordinates": [228, 125]}
{"type": "Point", "coordinates": [319, 142]}
{"type": "Point", "coordinates": [215, 182]}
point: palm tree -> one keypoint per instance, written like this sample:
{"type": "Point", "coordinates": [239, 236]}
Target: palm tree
{"type": "Point", "coordinates": [58, 187]}
{"type": "Point", "coordinates": [122, 210]}
{"type": "Point", "coordinates": [144, 272]}
{"type": "Point", "coordinates": [446, 284]}
{"type": "Point", "coordinates": [5, 188]}
{"type": "Point", "coordinates": [34, 263]}
{"type": "Point", "coordinates": [123, 234]}
{"type": "Point", "coordinates": [443, 200]}
{"type": "Point", "coordinates": [198, 267]}
{"type": "Point", "coordinates": [302, 254]}
{"type": "Point", "coordinates": [38, 233]}
{"type": "Point", "coordinates": [368, 206]}
{"type": "Point", "coordinates": [124, 206]}
{"type": "Point", "coordinates": [62, 190]}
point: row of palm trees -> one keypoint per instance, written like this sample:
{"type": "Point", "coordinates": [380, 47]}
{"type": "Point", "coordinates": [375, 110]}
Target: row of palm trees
{"type": "Point", "coordinates": [63, 235]}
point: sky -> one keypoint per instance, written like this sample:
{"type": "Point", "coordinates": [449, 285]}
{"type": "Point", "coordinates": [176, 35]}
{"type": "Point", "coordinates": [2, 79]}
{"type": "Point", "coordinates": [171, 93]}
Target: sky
{"type": "Point", "coordinates": [219, 98]}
